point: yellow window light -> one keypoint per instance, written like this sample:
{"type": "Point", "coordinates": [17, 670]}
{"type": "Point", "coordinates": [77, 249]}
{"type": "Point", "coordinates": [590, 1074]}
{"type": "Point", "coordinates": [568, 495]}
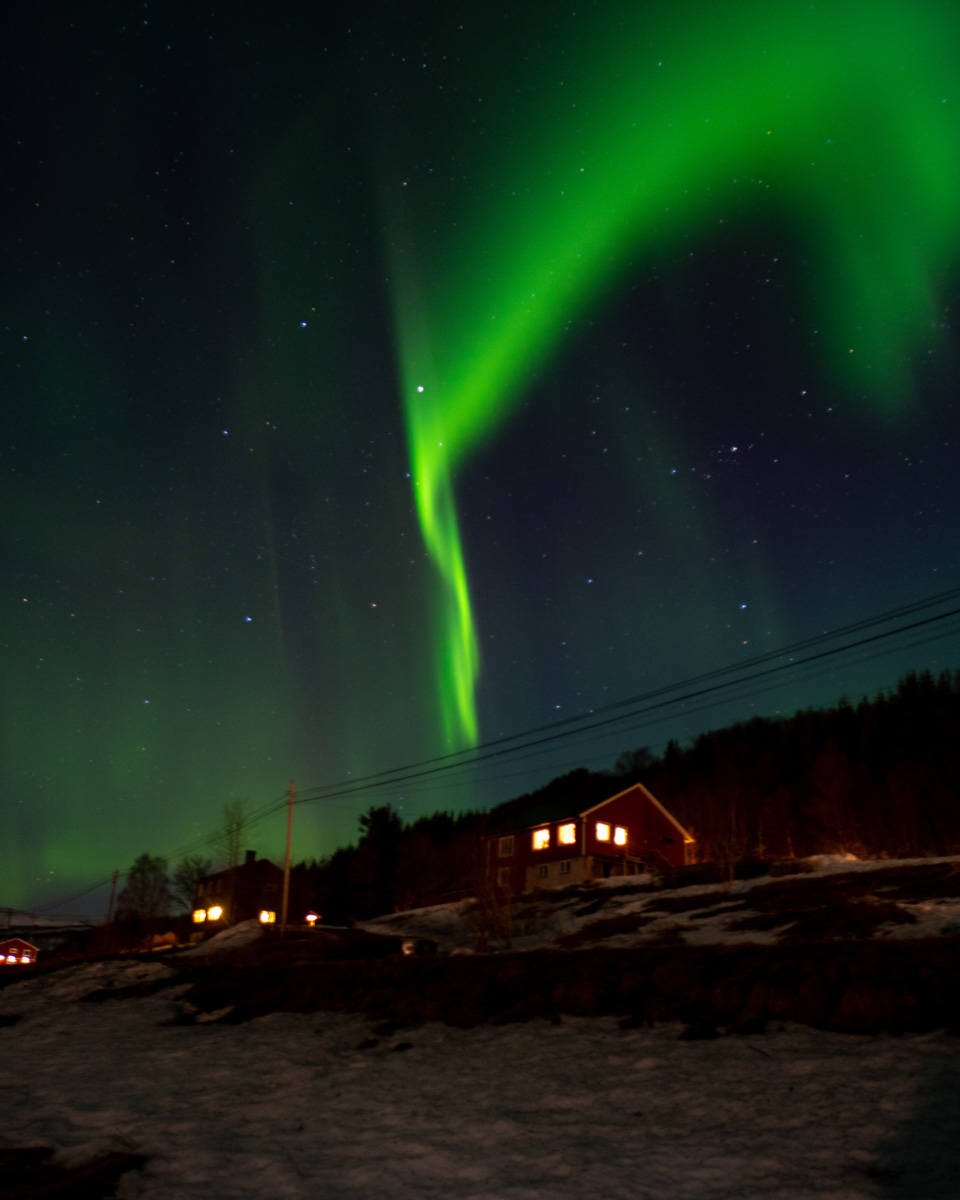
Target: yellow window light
{"type": "Point", "coordinates": [620, 835]}
{"type": "Point", "coordinates": [199, 916]}
{"type": "Point", "coordinates": [541, 839]}
{"type": "Point", "coordinates": [215, 913]}
{"type": "Point", "coordinates": [568, 834]}
{"type": "Point", "coordinates": [267, 917]}
{"type": "Point", "coordinates": [603, 832]}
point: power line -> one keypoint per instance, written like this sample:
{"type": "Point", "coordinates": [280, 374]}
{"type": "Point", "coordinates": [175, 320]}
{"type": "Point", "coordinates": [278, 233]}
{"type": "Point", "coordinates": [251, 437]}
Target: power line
{"type": "Point", "coordinates": [199, 843]}
{"type": "Point", "coordinates": [706, 684]}
{"type": "Point", "coordinates": [585, 723]}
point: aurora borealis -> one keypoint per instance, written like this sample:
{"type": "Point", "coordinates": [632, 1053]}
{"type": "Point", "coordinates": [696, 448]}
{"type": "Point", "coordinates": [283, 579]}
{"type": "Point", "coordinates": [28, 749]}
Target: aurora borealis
{"type": "Point", "coordinates": [378, 383]}
{"type": "Point", "coordinates": [637, 155]}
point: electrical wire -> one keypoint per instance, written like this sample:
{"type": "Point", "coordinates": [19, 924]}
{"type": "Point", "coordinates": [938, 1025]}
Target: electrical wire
{"type": "Point", "coordinates": [699, 686]}
{"type": "Point", "coordinates": [448, 762]}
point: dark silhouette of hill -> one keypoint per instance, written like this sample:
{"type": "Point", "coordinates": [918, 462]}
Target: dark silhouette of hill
{"type": "Point", "coordinates": [878, 779]}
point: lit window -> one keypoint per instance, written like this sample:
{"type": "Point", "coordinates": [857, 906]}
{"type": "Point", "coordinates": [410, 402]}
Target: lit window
{"type": "Point", "coordinates": [25, 958]}
{"type": "Point", "coordinates": [267, 917]}
{"type": "Point", "coordinates": [568, 834]}
{"type": "Point", "coordinates": [199, 916]}
{"type": "Point", "coordinates": [603, 832]}
{"type": "Point", "coordinates": [565, 867]}
{"type": "Point", "coordinates": [505, 848]}
{"type": "Point", "coordinates": [215, 913]}
{"type": "Point", "coordinates": [541, 839]}
{"type": "Point", "coordinates": [11, 958]}
{"type": "Point", "coordinates": [620, 835]}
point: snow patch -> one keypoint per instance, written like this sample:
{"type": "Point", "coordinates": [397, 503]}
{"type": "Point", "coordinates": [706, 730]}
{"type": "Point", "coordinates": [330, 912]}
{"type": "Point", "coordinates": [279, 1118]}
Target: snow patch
{"type": "Point", "coordinates": [305, 1105]}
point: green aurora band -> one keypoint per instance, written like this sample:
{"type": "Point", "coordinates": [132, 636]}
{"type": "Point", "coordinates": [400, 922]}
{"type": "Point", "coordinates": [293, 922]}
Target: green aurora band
{"type": "Point", "coordinates": [843, 119]}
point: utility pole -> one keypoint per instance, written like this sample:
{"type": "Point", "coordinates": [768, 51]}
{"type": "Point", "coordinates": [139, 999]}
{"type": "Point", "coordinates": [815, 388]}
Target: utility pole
{"type": "Point", "coordinates": [113, 892]}
{"type": "Point", "coordinates": [286, 865]}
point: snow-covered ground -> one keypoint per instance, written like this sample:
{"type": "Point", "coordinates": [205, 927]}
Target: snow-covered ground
{"type": "Point", "coordinates": [581, 912]}
{"type": "Point", "coordinates": [315, 1105]}
{"type": "Point", "coordinates": [46, 933]}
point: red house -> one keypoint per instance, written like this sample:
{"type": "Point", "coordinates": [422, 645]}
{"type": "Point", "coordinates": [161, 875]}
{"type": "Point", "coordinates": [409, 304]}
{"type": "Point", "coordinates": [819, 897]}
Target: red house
{"type": "Point", "coordinates": [623, 835]}
{"type": "Point", "coordinates": [17, 952]}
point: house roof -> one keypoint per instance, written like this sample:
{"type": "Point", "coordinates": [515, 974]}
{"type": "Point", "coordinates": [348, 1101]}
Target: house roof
{"type": "Point", "coordinates": [16, 944]}
{"type": "Point", "coordinates": [687, 836]}
{"type": "Point", "coordinates": [246, 872]}
{"type": "Point", "coordinates": [549, 810]}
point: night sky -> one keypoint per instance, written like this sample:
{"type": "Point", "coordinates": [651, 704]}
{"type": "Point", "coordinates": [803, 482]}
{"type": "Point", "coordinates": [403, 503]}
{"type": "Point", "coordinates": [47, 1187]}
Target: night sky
{"type": "Point", "coordinates": [376, 385]}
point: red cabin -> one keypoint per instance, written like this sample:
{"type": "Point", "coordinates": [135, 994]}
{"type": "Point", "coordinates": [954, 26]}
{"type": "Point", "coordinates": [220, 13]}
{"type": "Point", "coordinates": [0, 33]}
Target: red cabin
{"type": "Point", "coordinates": [621, 836]}
{"type": "Point", "coordinates": [17, 952]}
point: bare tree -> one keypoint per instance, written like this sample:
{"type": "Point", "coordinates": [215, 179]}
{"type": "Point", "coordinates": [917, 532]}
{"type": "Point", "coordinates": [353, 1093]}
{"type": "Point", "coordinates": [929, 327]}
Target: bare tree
{"type": "Point", "coordinates": [634, 763]}
{"type": "Point", "coordinates": [187, 874]}
{"type": "Point", "coordinates": [235, 822]}
{"type": "Point", "coordinates": [147, 891]}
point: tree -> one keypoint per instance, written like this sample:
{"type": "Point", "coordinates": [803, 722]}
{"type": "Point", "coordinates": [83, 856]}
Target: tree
{"type": "Point", "coordinates": [374, 868]}
{"type": "Point", "coordinates": [187, 873]}
{"type": "Point", "coordinates": [634, 764]}
{"type": "Point", "coordinates": [147, 891]}
{"type": "Point", "coordinates": [235, 821]}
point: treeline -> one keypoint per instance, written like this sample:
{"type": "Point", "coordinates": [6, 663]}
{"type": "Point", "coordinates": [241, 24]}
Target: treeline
{"type": "Point", "coordinates": [393, 866]}
{"type": "Point", "coordinates": [879, 778]}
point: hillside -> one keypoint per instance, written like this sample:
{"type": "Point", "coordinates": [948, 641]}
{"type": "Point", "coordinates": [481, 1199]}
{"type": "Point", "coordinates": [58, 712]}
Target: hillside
{"type": "Point", "coordinates": [687, 1029]}
{"type": "Point", "coordinates": [825, 898]}
{"type": "Point", "coordinates": [839, 944]}
{"type": "Point", "coordinates": [835, 943]}
{"type": "Point", "coordinates": [879, 779]}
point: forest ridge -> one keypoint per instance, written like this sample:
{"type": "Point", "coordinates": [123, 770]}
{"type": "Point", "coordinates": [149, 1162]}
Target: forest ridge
{"type": "Point", "coordinates": [880, 778]}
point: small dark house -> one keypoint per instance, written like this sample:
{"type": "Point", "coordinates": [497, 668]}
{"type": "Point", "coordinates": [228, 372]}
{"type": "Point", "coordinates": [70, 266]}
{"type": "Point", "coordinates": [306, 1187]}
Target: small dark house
{"type": "Point", "coordinates": [557, 845]}
{"type": "Point", "coordinates": [251, 890]}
